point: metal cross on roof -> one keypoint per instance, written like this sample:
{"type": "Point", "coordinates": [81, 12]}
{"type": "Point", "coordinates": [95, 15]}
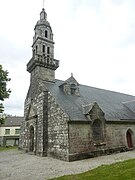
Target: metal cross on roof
{"type": "Point", "coordinates": [43, 3]}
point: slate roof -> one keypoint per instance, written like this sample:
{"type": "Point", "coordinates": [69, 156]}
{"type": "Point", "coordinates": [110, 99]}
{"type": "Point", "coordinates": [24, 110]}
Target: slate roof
{"type": "Point", "coordinates": [13, 121]}
{"type": "Point", "coordinates": [116, 106]}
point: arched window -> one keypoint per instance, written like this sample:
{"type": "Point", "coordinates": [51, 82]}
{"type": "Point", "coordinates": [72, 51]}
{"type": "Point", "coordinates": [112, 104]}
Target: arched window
{"type": "Point", "coordinates": [43, 48]}
{"type": "Point", "coordinates": [46, 33]}
{"type": "Point", "coordinates": [97, 130]}
{"type": "Point", "coordinates": [48, 50]}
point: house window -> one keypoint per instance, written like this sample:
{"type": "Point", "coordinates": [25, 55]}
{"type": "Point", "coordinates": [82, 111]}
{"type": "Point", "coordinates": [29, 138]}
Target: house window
{"type": "Point", "coordinates": [97, 130]}
{"type": "Point", "coordinates": [17, 131]}
{"type": "Point", "coordinates": [46, 33]}
{"type": "Point", "coordinates": [7, 131]}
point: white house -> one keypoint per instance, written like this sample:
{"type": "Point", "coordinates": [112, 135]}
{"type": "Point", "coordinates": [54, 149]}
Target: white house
{"type": "Point", "coordinates": [10, 131]}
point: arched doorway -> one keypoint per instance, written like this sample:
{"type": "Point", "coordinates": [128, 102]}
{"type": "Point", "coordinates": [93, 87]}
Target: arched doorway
{"type": "Point", "coordinates": [31, 145]}
{"type": "Point", "coordinates": [129, 139]}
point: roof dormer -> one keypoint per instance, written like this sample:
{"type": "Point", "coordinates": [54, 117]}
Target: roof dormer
{"type": "Point", "coordinates": [71, 86]}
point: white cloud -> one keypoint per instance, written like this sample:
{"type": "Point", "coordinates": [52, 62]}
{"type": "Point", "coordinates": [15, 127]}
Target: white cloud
{"type": "Point", "coordinates": [95, 40]}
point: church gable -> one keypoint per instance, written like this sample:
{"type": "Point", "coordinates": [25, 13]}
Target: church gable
{"type": "Point", "coordinates": [31, 113]}
{"type": "Point", "coordinates": [92, 111]}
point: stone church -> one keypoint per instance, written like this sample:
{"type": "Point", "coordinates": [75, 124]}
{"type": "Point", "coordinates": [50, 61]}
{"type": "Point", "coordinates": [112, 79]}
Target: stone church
{"type": "Point", "coordinates": [65, 119]}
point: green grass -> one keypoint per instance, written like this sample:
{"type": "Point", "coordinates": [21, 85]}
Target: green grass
{"type": "Point", "coordinates": [7, 148]}
{"type": "Point", "coordinates": [119, 171]}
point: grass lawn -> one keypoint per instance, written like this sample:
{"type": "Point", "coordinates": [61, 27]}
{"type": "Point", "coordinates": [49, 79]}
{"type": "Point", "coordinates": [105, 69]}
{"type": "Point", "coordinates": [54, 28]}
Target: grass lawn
{"type": "Point", "coordinates": [119, 171]}
{"type": "Point", "coordinates": [8, 148]}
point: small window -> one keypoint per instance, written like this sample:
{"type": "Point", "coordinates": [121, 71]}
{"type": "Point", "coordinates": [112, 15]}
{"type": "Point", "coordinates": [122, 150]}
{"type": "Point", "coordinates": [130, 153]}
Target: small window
{"type": "Point", "coordinates": [7, 131]}
{"type": "Point", "coordinates": [17, 131]}
{"type": "Point", "coordinates": [46, 33]}
{"type": "Point", "coordinates": [43, 48]}
{"type": "Point", "coordinates": [34, 53]}
{"type": "Point", "coordinates": [73, 89]}
{"type": "Point", "coordinates": [36, 49]}
{"type": "Point", "coordinates": [48, 50]}
{"type": "Point", "coordinates": [97, 130]}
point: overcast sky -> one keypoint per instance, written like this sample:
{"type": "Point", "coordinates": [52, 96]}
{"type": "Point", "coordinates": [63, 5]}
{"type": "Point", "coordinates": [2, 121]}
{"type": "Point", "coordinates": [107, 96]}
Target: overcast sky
{"type": "Point", "coordinates": [94, 40]}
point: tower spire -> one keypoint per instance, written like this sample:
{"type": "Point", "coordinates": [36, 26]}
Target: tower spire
{"type": "Point", "coordinates": [42, 64]}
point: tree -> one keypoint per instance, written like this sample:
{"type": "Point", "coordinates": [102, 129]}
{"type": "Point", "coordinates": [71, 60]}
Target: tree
{"type": "Point", "coordinates": [4, 92]}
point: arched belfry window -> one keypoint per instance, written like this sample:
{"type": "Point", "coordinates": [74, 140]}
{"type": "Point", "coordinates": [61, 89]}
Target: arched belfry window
{"type": "Point", "coordinates": [46, 33]}
{"type": "Point", "coordinates": [43, 48]}
{"type": "Point", "coordinates": [97, 130]}
{"type": "Point", "coordinates": [48, 50]}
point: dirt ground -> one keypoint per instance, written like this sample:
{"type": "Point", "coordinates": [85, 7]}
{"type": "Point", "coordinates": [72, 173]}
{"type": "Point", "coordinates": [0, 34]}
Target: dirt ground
{"type": "Point", "coordinates": [17, 165]}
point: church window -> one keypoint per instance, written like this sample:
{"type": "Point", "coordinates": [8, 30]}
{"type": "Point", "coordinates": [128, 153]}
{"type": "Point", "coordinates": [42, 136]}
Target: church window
{"type": "Point", "coordinates": [43, 48]}
{"type": "Point", "coordinates": [48, 50]}
{"type": "Point", "coordinates": [97, 130]}
{"type": "Point", "coordinates": [46, 33]}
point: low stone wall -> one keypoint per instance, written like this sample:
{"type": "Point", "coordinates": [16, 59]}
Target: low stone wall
{"type": "Point", "coordinates": [81, 156]}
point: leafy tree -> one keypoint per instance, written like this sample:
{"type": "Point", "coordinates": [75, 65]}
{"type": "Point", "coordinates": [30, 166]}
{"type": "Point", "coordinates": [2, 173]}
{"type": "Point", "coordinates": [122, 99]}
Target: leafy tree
{"type": "Point", "coordinates": [4, 92]}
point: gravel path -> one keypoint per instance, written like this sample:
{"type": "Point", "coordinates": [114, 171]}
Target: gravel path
{"type": "Point", "coordinates": [16, 165]}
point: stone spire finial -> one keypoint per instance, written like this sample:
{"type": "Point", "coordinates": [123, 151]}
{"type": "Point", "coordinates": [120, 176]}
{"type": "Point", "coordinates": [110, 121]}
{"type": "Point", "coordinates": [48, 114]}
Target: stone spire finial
{"type": "Point", "coordinates": [43, 15]}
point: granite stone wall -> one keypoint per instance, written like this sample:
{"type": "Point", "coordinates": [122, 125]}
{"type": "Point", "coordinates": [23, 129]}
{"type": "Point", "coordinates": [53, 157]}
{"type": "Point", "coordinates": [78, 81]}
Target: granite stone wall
{"type": "Point", "coordinates": [58, 143]}
{"type": "Point", "coordinates": [80, 140]}
{"type": "Point", "coordinates": [80, 137]}
{"type": "Point", "coordinates": [34, 116]}
{"type": "Point", "coordinates": [116, 134]}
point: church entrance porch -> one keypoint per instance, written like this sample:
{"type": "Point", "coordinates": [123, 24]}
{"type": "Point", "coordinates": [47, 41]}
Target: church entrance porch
{"type": "Point", "coordinates": [31, 143]}
{"type": "Point", "coordinates": [129, 139]}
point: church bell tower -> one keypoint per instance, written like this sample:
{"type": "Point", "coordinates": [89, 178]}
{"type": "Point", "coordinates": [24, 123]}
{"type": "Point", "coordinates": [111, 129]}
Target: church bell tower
{"type": "Point", "coordinates": [42, 64]}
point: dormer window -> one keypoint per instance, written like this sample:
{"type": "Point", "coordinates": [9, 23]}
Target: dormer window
{"type": "Point", "coordinates": [46, 33]}
{"type": "Point", "coordinates": [73, 89]}
{"type": "Point", "coordinates": [71, 86]}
